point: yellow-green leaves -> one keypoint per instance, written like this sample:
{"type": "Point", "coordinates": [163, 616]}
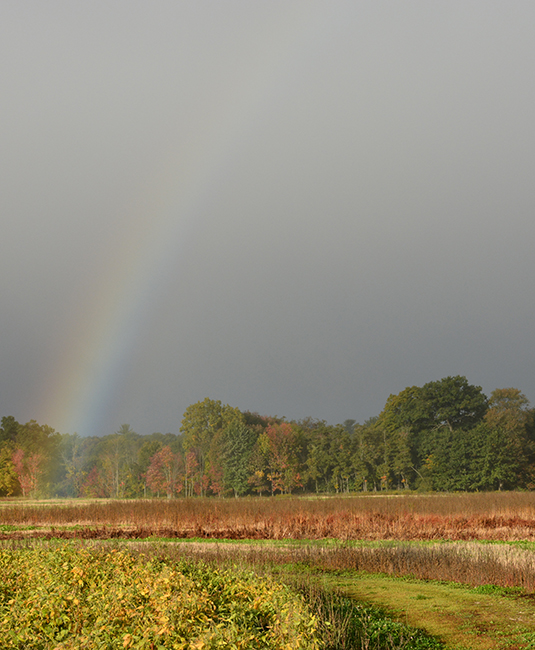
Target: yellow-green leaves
{"type": "Point", "coordinates": [72, 597]}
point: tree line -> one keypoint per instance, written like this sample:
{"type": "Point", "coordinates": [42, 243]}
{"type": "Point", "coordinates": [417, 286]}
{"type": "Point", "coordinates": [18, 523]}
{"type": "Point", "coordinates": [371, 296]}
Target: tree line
{"type": "Point", "coordinates": [445, 436]}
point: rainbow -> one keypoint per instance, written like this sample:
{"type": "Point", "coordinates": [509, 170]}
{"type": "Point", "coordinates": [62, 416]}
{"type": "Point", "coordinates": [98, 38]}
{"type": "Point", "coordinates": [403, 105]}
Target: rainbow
{"type": "Point", "coordinates": [159, 223]}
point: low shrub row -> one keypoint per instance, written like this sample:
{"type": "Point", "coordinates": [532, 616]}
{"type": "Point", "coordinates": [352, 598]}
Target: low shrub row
{"type": "Point", "coordinates": [66, 597]}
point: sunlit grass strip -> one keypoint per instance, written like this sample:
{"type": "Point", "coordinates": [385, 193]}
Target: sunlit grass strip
{"type": "Point", "coordinates": [345, 623]}
{"type": "Point", "coordinates": [73, 597]}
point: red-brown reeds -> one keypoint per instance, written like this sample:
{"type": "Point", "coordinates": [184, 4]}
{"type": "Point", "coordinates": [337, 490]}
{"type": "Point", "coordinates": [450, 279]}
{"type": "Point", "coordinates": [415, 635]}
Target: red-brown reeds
{"type": "Point", "coordinates": [486, 516]}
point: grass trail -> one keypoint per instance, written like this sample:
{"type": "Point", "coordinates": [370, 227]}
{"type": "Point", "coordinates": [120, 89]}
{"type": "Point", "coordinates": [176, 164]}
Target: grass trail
{"type": "Point", "coordinates": [459, 616]}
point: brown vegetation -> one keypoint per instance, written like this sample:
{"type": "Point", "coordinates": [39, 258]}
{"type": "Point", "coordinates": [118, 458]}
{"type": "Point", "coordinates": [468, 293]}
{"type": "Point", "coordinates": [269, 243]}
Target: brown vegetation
{"type": "Point", "coordinates": [484, 516]}
{"type": "Point", "coordinates": [468, 563]}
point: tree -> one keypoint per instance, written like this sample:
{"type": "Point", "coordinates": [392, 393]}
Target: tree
{"type": "Point", "coordinates": [118, 460]}
{"type": "Point", "coordinates": [451, 402]}
{"type": "Point", "coordinates": [239, 444]}
{"type": "Point", "coordinates": [319, 461]}
{"type": "Point", "coordinates": [9, 430]}
{"type": "Point", "coordinates": [340, 452]}
{"type": "Point", "coordinates": [414, 422]}
{"type": "Point", "coordinates": [509, 451]}
{"type": "Point", "coordinates": [73, 463]}
{"type": "Point", "coordinates": [283, 471]}
{"type": "Point", "coordinates": [258, 465]}
{"type": "Point", "coordinates": [144, 456]}
{"type": "Point", "coordinates": [191, 473]}
{"type": "Point", "coordinates": [28, 468]}
{"type": "Point", "coordinates": [200, 423]}
{"type": "Point", "coordinates": [37, 458]}
{"type": "Point", "coordinates": [163, 472]}
{"type": "Point", "coordinates": [94, 485]}
{"type": "Point", "coordinates": [9, 482]}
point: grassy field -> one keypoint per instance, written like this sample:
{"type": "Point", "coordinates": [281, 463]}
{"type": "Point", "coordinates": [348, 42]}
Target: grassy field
{"type": "Point", "coordinates": [408, 554]}
{"type": "Point", "coordinates": [483, 516]}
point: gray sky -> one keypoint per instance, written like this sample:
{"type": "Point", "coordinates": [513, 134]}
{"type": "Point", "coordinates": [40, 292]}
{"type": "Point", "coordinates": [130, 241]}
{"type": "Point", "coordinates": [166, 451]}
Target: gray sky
{"type": "Point", "coordinates": [295, 207]}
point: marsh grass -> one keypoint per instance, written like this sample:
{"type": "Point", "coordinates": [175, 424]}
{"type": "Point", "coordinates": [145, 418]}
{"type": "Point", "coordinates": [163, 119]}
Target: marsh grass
{"type": "Point", "coordinates": [469, 563]}
{"type": "Point", "coordinates": [483, 516]}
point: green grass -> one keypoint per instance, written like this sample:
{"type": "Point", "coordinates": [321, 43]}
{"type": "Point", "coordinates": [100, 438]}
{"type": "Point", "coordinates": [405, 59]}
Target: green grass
{"type": "Point", "coordinates": [482, 617]}
{"type": "Point", "coordinates": [475, 618]}
{"type": "Point", "coordinates": [345, 623]}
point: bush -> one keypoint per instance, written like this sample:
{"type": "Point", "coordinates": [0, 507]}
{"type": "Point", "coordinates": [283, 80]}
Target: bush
{"type": "Point", "coordinates": [74, 597]}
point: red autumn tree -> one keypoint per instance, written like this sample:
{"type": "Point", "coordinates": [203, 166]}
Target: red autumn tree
{"type": "Point", "coordinates": [28, 468]}
{"type": "Point", "coordinates": [163, 472]}
{"type": "Point", "coordinates": [283, 464]}
{"type": "Point", "coordinates": [96, 485]}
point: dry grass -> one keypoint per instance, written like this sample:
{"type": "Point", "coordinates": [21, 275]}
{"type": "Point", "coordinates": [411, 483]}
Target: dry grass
{"type": "Point", "coordinates": [485, 516]}
{"type": "Point", "coordinates": [469, 563]}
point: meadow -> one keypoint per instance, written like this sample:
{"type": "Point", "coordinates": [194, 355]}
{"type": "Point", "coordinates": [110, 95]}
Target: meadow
{"type": "Point", "coordinates": [498, 516]}
{"type": "Point", "coordinates": [336, 553]}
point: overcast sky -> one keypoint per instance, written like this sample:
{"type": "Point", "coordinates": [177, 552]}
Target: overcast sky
{"type": "Point", "coordinates": [297, 208]}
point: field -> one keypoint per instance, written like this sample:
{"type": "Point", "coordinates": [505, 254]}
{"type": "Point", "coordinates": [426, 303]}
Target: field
{"type": "Point", "coordinates": [497, 516]}
{"type": "Point", "coordinates": [460, 566]}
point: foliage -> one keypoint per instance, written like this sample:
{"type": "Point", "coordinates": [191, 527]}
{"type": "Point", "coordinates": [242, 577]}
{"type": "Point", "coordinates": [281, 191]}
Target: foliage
{"type": "Point", "coordinates": [28, 469]}
{"type": "Point", "coordinates": [443, 436]}
{"type": "Point", "coordinates": [200, 423]}
{"type": "Point", "coordinates": [9, 482]}
{"type": "Point", "coordinates": [163, 472]}
{"type": "Point", "coordinates": [71, 597]}
{"type": "Point", "coordinates": [279, 441]}
{"type": "Point", "coordinates": [239, 443]}
{"type": "Point", "coordinates": [346, 623]}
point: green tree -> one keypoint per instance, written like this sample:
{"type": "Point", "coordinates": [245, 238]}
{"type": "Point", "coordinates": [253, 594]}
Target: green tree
{"type": "Point", "coordinates": [9, 482]}
{"type": "Point", "coordinates": [318, 464]}
{"type": "Point", "coordinates": [509, 451]}
{"type": "Point", "coordinates": [200, 423]}
{"type": "Point", "coordinates": [415, 422]}
{"type": "Point", "coordinates": [239, 443]}
{"type": "Point", "coordinates": [9, 430]}
{"type": "Point", "coordinates": [452, 402]}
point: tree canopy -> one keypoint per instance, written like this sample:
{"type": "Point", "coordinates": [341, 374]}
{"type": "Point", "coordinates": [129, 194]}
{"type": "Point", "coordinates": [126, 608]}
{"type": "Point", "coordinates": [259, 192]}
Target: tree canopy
{"type": "Point", "coordinates": [444, 435]}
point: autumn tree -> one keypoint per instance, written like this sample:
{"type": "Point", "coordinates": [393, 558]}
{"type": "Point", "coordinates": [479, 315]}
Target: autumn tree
{"type": "Point", "coordinates": [28, 468]}
{"type": "Point", "coordinates": [163, 472]}
{"type": "Point", "coordinates": [283, 470]}
{"type": "Point", "coordinates": [144, 457]}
